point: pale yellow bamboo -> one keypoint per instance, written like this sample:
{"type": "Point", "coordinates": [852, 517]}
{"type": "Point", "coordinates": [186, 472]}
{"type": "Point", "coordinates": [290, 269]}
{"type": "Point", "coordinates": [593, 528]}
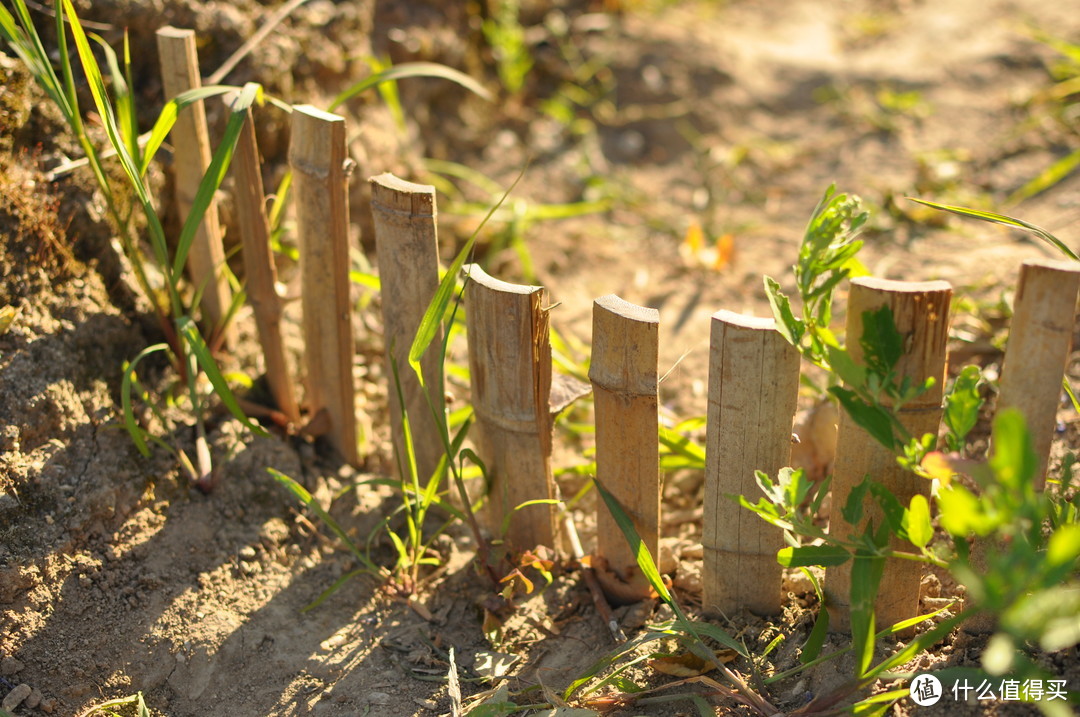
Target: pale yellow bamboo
{"type": "Point", "coordinates": [408, 254]}
{"type": "Point", "coordinates": [259, 272]}
{"type": "Point", "coordinates": [1040, 336]}
{"type": "Point", "coordinates": [510, 367]}
{"type": "Point", "coordinates": [624, 378]}
{"type": "Point", "coordinates": [191, 157]}
{"type": "Point", "coordinates": [921, 313]}
{"type": "Point", "coordinates": [753, 391]}
{"type": "Point", "coordinates": [317, 157]}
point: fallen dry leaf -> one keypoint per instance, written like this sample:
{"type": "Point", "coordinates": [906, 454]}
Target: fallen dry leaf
{"type": "Point", "coordinates": [690, 665]}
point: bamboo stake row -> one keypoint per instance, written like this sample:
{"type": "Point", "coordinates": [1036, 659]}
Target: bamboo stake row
{"type": "Point", "coordinates": [753, 375]}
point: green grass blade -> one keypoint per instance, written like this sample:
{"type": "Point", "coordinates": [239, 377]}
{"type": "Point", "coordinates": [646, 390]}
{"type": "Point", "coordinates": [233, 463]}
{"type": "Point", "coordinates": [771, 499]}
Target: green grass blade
{"type": "Point", "coordinates": [125, 105]}
{"type": "Point", "coordinates": [432, 319]}
{"type": "Point", "coordinates": [309, 501]}
{"type": "Point", "coordinates": [411, 69]}
{"type": "Point", "coordinates": [132, 425]}
{"type": "Point", "coordinates": [167, 118]}
{"type": "Point", "coordinates": [683, 446]}
{"type": "Point", "coordinates": [26, 43]}
{"type": "Point", "coordinates": [1047, 178]}
{"type": "Point", "coordinates": [215, 174]}
{"type": "Point", "coordinates": [1005, 221]}
{"type": "Point", "coordinates": [637, 547]}
{"type": "Point", "coordinates": [194, 340]}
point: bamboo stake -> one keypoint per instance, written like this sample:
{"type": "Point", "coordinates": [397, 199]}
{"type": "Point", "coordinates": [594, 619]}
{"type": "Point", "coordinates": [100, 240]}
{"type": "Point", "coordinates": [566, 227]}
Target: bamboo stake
{"type": "Point", "coordinates": [408, 255]}
{"type": "Point", "coordinates": [259, 271]}
{"type": "Point", "coordinates": [753, 392]}
{"type": "Point", "coordinates": [317, 157]}
{"type": "Point", "coordinates": [510, 366]}
{"type": "Point", "coordinates": [623, 375]}
{"type": "Point", "coordinates": [191, 157]}
{"type": "Point", "coordinates": [1038, 350]}
{"type": "Point", "coordinates": [921, 313]}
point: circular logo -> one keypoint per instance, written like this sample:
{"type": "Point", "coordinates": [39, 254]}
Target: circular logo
{"type": "Point", "coordinates": [925, 690]}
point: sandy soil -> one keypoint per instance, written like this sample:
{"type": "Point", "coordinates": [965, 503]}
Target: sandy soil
{"type": "Point", "coordinates": [116, 577]}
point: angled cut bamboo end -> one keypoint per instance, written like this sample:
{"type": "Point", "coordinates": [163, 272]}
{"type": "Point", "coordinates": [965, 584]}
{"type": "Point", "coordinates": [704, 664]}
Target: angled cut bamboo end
{"type": "Point", "coordinates": [510, 368]}
{"type": "Point", "coordinates": [407, 250]}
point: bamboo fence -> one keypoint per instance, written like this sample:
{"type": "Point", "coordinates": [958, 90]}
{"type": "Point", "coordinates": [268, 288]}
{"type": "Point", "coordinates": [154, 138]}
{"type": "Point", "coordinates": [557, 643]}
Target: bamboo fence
{"type": "Point", "coordinates": [752, 384]}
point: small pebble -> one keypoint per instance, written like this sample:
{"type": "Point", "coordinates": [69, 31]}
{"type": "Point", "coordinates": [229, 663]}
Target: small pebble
{"type": "Point", "coordinates": [10, 666]}
{"type": "Point", "coordinates": [247, 552]}
{"type": "Point", "coordinates": [378, 698]}
{"type": "Point", "coordinates": [34, 699]}
{"type": "Point", "coordinates": [15, 697]}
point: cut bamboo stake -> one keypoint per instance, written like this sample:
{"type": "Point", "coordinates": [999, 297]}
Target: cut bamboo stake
{"type": "Point", "coordinates": [1038, 349]}
{"type": "Point", "coordinates": [753, 392]}
{"type": "Point", "coordinates": [317, 156]}
{"type": "Point", "coordinates": [259, 271]}
{"type": "Point", "coordinates": [408, 255]}
{"type": "Point", "coordinates": [623, 375]}
{"type": "Point", "coordinates": [510, 366]}
{"type": "Point", "coordinates": [191, 157]}
{"type": "Point", "coordinates": [921, 313]}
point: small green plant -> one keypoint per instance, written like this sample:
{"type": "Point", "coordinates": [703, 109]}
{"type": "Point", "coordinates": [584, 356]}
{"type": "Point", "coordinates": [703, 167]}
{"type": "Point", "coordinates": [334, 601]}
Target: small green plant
{"type": "Point", "coordinates": [1025, 565]}
{"type": "Point", "coordinates": [517, 216]}
{"type": "Point", "coordinates": [1059, 101]}
{"type": "Point", "coordinates": [190, 354]}
{"type": "Point", "coordinates": [506, 37]}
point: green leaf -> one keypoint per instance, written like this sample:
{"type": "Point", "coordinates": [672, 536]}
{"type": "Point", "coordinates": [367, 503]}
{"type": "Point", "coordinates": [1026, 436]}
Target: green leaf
{"type": "Point", "coordinates": [412, 69]}
{"type": "Point", "coordinates": [806, 555]}
{"type": "Point", "coordinates": [962, 514]}
{"type": "Point", "coordinates": [167, 118]}
{"type": "Point", "coordinates": [133, 428]}
{"type": "Point", "coordinates": [881, 342]}
{"type": "Point", "coordinates": [641, 552]}
{"type": "Point", "coordinates": [866, 571]}
{"type": "Point", "coordinates": [895, 512]}
{"type": "Point", "coordinates": [816, 639]}
{"type": "Point", "coordinates": [1013, 460]}
{"type": "Point", "coordinates": [1053, 174]}
{"type": "Point", "coordinates": [853, 505]}
{"type": "Point", "coordinates": [1006, 221]}
{"type": "Point", "coordinates": [309, 501]}
{"type": "Point", "coordinates": [215, 174]}
{"type": "Point", "coordinates": [1063, 548]}
{"type": "Point", "coordinates": [194, 340]}
{"type": "Point", "coordinates": [917, 522]}
{"type": "Point", "coordinates": [789, 327]}
{"type": "Point", "coordinates": [841, 363]}
{"type": "Point", "coordinates": [432, 319]}
{"type": "Point", "coordinates": [875, 420]}
{"type": "Point", "coordinates": [962, 406]}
